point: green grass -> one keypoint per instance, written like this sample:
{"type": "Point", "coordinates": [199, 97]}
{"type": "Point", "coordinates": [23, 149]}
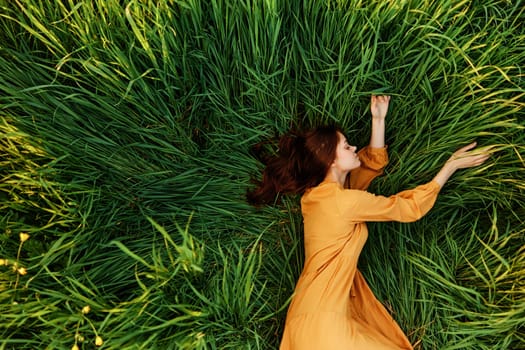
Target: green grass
{"type": "Point", "coordinates": [125, 138]}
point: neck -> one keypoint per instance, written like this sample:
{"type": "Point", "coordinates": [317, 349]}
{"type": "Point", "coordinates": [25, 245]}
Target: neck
{"type": "Point", "coordinates": [336, 176]}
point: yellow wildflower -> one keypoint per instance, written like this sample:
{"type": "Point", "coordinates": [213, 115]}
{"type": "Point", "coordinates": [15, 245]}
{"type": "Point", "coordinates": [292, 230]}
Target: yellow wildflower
{"type": "Point", "coordinates": [24, 237]}
{"type": "Point", "coordinates": [75, 347]}
{"type": "Point", "coordinates": [22, 271]}
{"type": "Point", "coordinates": [98, 341]}
{"type": "Point", "coordinates": [4, 262]}
{"type": "Point", "coordinates": [86, 309]}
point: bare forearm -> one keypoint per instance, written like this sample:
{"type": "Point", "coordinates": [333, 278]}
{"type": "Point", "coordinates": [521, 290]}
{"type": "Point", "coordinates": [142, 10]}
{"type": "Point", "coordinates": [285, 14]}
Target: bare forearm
{"type": "Point", "coordinates": [444, 174]}
{"type": "Point", "coordinates": [377, 138]}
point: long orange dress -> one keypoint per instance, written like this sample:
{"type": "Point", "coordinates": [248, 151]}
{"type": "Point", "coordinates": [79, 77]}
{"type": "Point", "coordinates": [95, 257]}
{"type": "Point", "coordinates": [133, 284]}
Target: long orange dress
{"type": "Point", "coordinates": [333, 307]}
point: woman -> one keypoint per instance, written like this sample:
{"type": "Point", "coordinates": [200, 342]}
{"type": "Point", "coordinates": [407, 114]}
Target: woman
{"type": "Point", "coordinates": [333, 307]}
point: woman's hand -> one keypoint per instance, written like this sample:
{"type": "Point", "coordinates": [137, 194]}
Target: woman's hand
{"type": "Point", "coordinates": [379, 106]}
{"type": "Point", "coordinates": [465, 157]}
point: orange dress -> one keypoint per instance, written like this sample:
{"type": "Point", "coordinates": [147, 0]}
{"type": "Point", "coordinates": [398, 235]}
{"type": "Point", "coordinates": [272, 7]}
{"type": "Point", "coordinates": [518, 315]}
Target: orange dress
{"type": "Point", "coordinates": [333, 307]}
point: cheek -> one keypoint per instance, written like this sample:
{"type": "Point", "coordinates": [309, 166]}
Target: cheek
{"type": "Point", "coordinates": [355, 161]}
{"type": "Point", "coordinates": [350, 162]}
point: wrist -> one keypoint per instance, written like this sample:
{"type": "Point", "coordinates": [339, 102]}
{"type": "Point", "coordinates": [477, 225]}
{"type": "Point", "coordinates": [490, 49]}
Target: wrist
{"type": "Point", "coordinates": [450, 166]}
{"type": "Point", "coordinates": [445, 173]}
{"type": "Point", "coordinates": [378, 119]}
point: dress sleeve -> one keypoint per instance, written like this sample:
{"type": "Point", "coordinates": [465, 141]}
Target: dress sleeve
{"type": "Point", "coordinates": [406, 206]}
{"type": "Point", "coordinates": [373, 161]}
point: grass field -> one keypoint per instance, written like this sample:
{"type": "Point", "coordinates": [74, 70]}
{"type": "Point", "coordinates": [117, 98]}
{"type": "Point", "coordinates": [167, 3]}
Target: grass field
{"type": "Point", "coordinates": [125, 137]}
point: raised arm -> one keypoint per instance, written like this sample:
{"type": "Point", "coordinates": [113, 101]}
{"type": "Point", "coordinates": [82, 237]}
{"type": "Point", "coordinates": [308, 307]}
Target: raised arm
{"type": "Point", "coordinates": [379, 109]}
{"type": "Point", "coordinates": [373, 157]}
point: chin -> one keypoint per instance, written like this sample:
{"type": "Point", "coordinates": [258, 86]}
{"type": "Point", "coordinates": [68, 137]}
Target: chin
{"type": "Point", "coordinates": [356, 165]}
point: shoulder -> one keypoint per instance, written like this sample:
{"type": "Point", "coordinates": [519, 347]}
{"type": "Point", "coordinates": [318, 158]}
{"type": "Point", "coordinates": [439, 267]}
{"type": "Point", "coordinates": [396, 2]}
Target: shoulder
{"type": "Point", "coordinates": [323, 191]}
{"type": "Point", "coordinates": [329, 190]}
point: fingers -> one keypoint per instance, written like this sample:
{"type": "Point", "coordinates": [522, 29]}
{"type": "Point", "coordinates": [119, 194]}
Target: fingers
{"type": "Point", "coordinates": [467, 147]}
{"type": "Point", "coordinates": [487, 149]}
{"type": "Point", "coordinates": [380, 98]}
{"type": "Point", "coordinates": [469, 150]}
{"type": "Point", "coordinates": [478, 161]}
{"type": "Point", "coordinates": [379, 106]}
{"type": "Point", "coordinates": [467, 156]}
{"type": "Point", "coordinates": [470, 159]}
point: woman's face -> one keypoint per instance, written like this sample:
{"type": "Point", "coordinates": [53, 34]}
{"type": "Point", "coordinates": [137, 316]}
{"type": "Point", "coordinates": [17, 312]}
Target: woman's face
{"type": "Point", "coordinates": [346, 158]}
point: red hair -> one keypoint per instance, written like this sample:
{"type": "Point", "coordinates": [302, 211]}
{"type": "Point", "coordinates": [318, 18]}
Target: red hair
{"type": "Point", "coordinates": [302, 161]}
